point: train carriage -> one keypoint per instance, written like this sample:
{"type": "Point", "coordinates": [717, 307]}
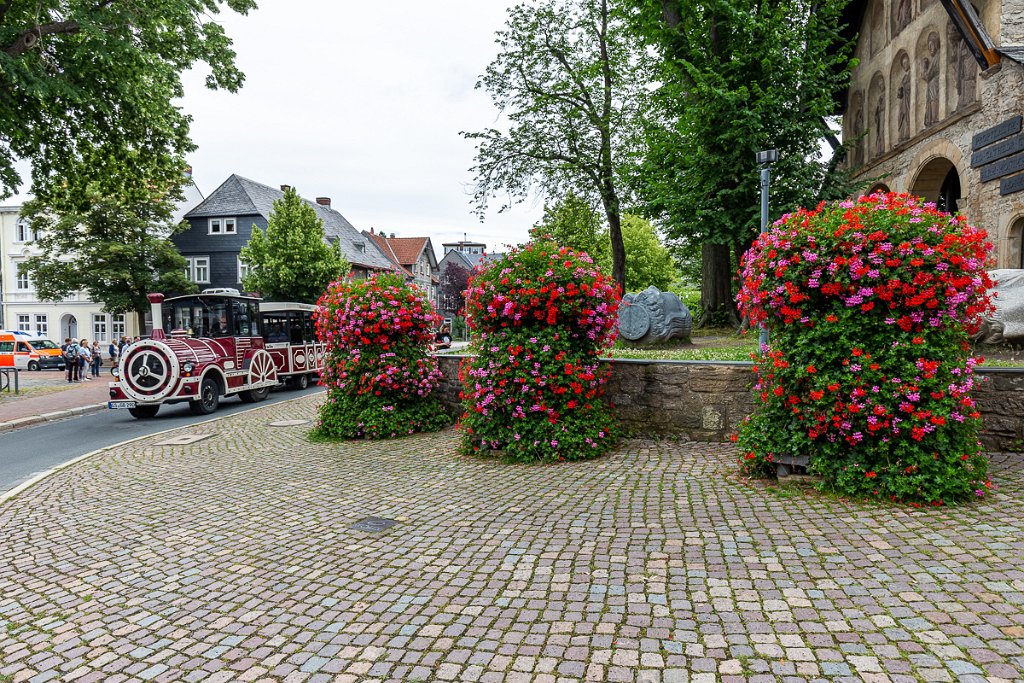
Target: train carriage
{"type": "Point", "coordinates": [213, 345]}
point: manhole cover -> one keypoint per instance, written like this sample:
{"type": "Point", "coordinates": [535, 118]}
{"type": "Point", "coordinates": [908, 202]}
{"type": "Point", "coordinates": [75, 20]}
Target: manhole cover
{"type": "Point", "coordinates": [288, 423]}
{"type": "Point", "coordinates": [183, 439]}
{"type": "Point", "coordinates": [374, 524]}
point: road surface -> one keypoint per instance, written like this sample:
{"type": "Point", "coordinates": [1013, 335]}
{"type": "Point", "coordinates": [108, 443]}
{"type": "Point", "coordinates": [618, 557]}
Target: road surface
{"type": "Point", "coordinates": [28, 451]}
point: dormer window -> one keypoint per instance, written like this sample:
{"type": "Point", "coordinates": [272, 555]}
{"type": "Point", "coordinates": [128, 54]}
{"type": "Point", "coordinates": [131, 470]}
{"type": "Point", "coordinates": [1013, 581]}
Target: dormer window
{"type": "Point", "coordinates": [222, 226]}
{"type": "Point", "coordinates": [360, 247]}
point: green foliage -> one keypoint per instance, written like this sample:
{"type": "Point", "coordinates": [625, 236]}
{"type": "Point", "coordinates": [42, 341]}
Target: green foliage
{"type": "Point", "coordinates": [116, 252]}
{"type": "Point", "coordinates": [91, 88]}
{"type": "Point", "coordinates": [292, 261]}
{"type": "Point", "coordinates": [738, 76]}
{"type": "Point", "coordinates": [572, 222]}
{"type": "Point", "coordinates": [649, 263]}
{"type": "Point", "coordinates": [570, 78]}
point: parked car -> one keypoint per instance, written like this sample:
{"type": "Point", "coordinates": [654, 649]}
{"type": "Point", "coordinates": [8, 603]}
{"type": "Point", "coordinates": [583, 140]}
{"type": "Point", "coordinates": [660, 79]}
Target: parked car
{"type": "Point", "coordinates": [18, 350]}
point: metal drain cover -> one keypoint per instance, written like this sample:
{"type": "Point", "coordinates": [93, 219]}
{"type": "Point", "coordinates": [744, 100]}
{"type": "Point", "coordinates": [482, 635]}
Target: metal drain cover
{"type": "Point", "coordinates": [373, 524]}
{"type": "Point", "coordinates": [288, 423]}
{"type": "Point", "coordinates": [183, 439]}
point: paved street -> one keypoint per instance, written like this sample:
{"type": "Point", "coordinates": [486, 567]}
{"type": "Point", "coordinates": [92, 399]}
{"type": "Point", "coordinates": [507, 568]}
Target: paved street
{"type": "Point", "coordinates": [233, 559]}
{"type": "Point", "coordinates": [26, 451]}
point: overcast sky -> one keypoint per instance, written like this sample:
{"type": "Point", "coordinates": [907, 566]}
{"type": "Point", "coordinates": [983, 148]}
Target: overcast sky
{"type": "Point", "coordinates": [362, 102]}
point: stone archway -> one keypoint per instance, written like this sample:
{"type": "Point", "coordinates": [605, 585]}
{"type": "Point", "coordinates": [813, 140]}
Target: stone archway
{"type": "Point", "coordinates": [879, 187]}
{"type": "Point", "coordinates": [68, 326]}
{"type": "Point", "coordinates": [938, 181]}
{"type": "Point", "coordinates": [1015, 244]}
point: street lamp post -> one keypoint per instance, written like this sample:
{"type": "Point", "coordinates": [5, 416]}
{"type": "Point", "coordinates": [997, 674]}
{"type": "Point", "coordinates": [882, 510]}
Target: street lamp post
{"type": "Point", "coordinates": [765, 159]}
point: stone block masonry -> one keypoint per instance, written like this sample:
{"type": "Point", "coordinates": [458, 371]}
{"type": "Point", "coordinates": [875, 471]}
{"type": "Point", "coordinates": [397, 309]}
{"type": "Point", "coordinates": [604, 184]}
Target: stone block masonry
{"type": "Point", "coordinates": [706, 401]}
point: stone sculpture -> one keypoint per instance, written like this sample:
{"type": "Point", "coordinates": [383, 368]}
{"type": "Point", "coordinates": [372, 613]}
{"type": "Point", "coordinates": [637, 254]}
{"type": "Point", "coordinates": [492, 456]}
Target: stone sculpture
{"type": "Point", "coordinates": [1006, 326]}
{"type": "Point", "coordinates": [902, 18]}
{"type": "Point", "coordinates": [653, 316]}
{"type": "Point", "coordinates": [963, 67]}
{"type": "Point", "coordinates": [880, 126]}
{"type": "Point", "coordinates": [930, 74]}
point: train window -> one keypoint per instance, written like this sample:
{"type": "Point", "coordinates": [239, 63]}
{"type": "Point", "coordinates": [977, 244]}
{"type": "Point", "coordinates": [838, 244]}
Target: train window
{"type": "Point", "coordinates": [275, 327]}
{"type": "Point", "coordinates": [308, 327]}
{"type": "Point", "coordinates": [245, 319]}
{"type": "Point", "coordinates": [295, 327]}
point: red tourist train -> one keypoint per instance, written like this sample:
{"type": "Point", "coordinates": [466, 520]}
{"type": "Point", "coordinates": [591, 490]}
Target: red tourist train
{"type": "Point", "coordinates": [216, 344]}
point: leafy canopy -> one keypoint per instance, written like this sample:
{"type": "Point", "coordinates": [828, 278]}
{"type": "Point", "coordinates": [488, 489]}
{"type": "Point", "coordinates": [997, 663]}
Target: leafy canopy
{"type": "Point", "coordinates": [87, 87]}
{"type": "Point", "coordinates": [569, 79]}
{"type": "Point", "coordinates": [650, 263]}
{"type": "Point", "coordinates": [572, 222]}
{"type": "Point", "coordinates": [116, 252]}
{"type": "Point", "coordinates": [292, 261]}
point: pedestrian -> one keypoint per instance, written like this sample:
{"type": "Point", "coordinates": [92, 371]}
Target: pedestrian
{"type": "Point", "coordinates": [70, 351]}
{"type": "Point", "coordinates": [84, 360]}
{"type": "Point", "coordinates": [112, 352]}
{"type": "Point", "coordinates": [121, 344]}
{"type": "Point", "coordinates": [97, 359]}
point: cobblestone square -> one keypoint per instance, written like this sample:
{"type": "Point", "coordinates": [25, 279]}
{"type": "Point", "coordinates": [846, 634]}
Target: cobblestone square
{"type": "Point", "coordinates": [233, 559]}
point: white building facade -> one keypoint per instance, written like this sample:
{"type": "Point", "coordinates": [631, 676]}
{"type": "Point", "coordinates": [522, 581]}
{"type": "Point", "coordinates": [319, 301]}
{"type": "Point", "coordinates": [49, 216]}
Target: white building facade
{"type": "Point", "coordinates": [21, 309]}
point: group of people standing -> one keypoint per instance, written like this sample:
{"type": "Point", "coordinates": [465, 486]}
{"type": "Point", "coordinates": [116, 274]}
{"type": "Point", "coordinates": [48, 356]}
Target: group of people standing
{"type": "Point", "coordinates": [82, 361]}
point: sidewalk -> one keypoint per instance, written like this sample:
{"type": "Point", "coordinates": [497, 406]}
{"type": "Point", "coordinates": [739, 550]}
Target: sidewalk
{"type": "Point", "coordinates": [239, 550]}
{"type": "Point", "coordinates": [83, 398]}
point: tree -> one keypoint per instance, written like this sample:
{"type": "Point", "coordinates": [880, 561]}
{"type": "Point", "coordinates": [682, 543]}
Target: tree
{"type": "Point", "coordinates": [572, 222]}
{"type": "Point", "coordinates": [738, 76]}
{"type": "Point", "coordinates": [115, 251]}
{"type": "Point", "coordinates": [88, 87]}
{"type": "Point", "coordinates": [570, 80]}
{"type": "Point", "coordinates": [454, 282]}
{"type": "Point", "coordinates": [650, 263]}
{"type": "Point", "coordinates": [293, 260]}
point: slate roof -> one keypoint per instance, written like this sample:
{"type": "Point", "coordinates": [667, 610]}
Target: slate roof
{"type": "Point", "coordinates": [238, 196]}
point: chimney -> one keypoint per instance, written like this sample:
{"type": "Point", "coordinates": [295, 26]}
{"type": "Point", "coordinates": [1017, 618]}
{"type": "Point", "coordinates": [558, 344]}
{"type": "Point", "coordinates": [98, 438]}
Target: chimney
{"type": "Point", "coordinates": [392, 235]}
{"type": "Point", "coordinates": [285, 188]}
{"type": "Point", "coordinates": [371, 231]}
{"type": "Point", "coordinates": [324, 201]}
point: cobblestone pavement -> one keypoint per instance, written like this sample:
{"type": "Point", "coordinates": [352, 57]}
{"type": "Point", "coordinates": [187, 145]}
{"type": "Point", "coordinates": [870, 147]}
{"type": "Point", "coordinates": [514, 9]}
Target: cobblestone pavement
{"type": "Point", "coordinates": [232, 559]}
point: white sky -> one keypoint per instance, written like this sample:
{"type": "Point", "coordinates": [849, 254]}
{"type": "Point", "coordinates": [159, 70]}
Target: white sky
{"type": "Point", "coordinates": [362, 102]}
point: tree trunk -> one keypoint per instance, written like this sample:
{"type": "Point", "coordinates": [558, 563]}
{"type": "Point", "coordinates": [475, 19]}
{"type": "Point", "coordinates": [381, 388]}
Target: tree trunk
{"type": "Point", "coordinates": [716, 302]}
{"type": "Point", "coordinates": [618, 247]}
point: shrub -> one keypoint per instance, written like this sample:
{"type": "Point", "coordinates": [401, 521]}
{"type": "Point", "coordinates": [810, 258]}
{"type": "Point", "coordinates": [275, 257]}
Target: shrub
{"type": "Point", "coordinates": [870, 305]}
{"type": "Point", "coordinates": [541, 317]}
{"type": "Point", "coordinates": [377, 371]}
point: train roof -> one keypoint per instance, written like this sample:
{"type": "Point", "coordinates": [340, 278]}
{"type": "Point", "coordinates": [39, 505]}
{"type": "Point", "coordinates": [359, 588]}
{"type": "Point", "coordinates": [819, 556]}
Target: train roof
{"type": "Point", "coordinates": [212, 295]}
{"type": "Point", "coordinates": [273, 306]}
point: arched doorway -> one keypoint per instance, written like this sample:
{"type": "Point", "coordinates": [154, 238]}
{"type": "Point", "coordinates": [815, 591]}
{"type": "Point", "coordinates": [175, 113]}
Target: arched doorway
{"type": "Point", "coordinates": [1015, 244]}
{"type": "Point", "coordinates": [939, 182]}
{"type": "Point", "coordinates": [880, 188]}
{"type": "Point", "coordinates": [68, 326]}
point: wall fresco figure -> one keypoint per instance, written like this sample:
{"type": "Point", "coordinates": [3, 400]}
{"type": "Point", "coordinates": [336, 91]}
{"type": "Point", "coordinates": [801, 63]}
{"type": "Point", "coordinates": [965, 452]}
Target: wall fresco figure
{"type": "Point", "coordinates": [903, 99]}
{"type": "Point", "coordinates": [858, 137]}
{"type": "Point", "coordinates": [963, 69]}
{"type": "Point", "coordinates": [901, 16]}
{"type": "Point", "coordinates": [930, 75]}
{"type": "Point", "coordinates": [877, 30]}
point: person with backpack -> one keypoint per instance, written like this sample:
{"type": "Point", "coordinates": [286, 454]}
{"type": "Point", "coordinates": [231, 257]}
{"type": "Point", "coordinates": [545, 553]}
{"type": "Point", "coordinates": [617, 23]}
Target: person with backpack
{"type": "Point", "coordinates": [70, 350]}
{"type": "Point", "coordinates": [112, 352]}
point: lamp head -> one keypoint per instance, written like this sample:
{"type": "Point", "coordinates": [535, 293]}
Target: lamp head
{"type": "Point", "coordinates": [768, 156]}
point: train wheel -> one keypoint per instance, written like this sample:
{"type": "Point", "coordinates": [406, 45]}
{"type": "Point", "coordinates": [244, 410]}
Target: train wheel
{"type": "Point", "coordinates": [301, 382]}
{"type": "Point", "coordinates": [209, 398]}
{"type": "Point", "coordinates": [254, 395]}
{"type": "Point", "coordinates": [143, 412]}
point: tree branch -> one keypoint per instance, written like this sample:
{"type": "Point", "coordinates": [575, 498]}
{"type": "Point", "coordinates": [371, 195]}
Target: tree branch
{"type": "Point", "coordinates": [30, 38]}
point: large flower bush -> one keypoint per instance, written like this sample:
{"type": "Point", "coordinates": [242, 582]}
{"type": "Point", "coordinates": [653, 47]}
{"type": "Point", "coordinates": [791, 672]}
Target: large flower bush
{"type": "Point", "coordinates": [377, 371]}
{"type": "Point", "coordinates": [870, 304]}
{"type": "Point", "coordinates": [541, 317]}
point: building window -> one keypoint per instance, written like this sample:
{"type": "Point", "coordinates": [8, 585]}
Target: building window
{"type": "Point", "coordinates": [22, 282]}
{"type": "Point", "coordinates": [198, 269]}
{"type": "Point", "coordinates": [24, 232]}
{"type": "Point", "coordinates": [243, 270]}
{"type": "Point", "coordinates": [24, 322]}
{"type": "Point", "coordinates": [99, 327]}
{"type": "Point", "coordinates": [222, 226]}
{"type": "Point", "coordinates": [42, 326]}
{"type": "Point", "coordinates": [117, 326]}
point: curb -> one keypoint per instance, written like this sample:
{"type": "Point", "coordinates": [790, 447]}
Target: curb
{"type": "Point", "coordinates": [50, 417]}
{"type": "Point", "coordinates": [9, 495]}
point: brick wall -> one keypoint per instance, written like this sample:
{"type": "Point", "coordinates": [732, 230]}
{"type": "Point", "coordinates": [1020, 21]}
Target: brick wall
{"type": "Point", "coordinates": [706, 401]}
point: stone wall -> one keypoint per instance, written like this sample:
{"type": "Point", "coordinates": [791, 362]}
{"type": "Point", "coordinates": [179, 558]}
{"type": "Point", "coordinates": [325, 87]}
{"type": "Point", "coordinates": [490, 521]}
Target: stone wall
{"type": "Point", "coordinates": [706, 401]}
